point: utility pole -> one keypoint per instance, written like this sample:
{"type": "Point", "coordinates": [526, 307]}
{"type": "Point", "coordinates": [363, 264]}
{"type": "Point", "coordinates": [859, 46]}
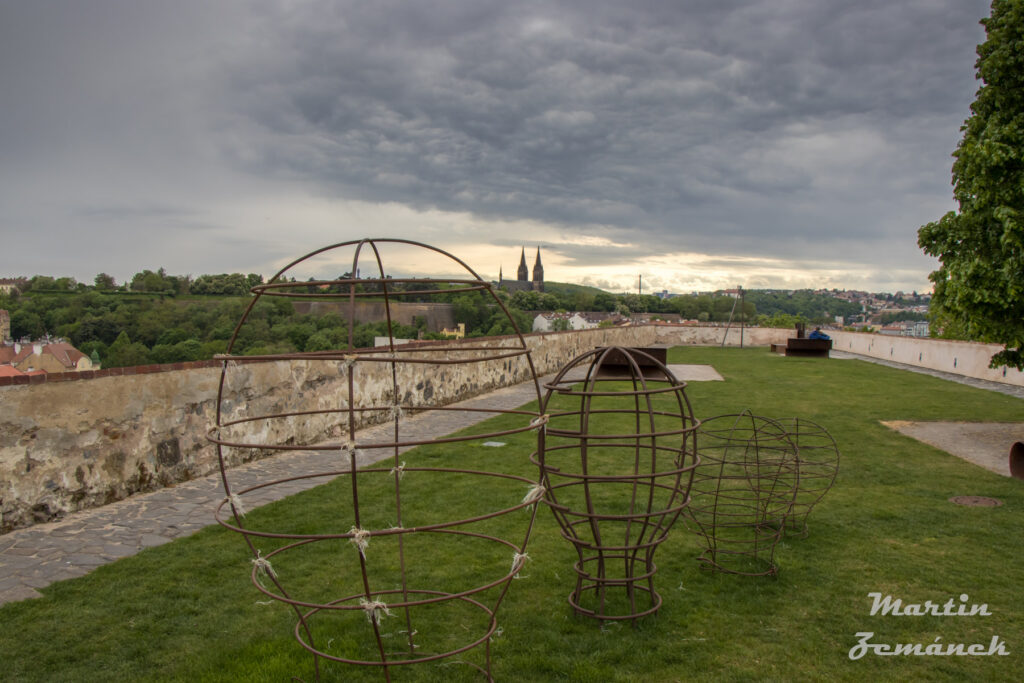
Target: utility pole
{"type": "Point", "coordinates": [640, 284]}
{"type": "Point", "coordinates": [743, 318]}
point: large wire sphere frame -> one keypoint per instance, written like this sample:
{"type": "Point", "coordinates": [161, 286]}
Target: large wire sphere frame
{"type": "Point", "coordinates": [817, 458]}
{"type": "Point", "coordinates": [743, 491]}
{"type": "Point", "coordinates": [240, 432]}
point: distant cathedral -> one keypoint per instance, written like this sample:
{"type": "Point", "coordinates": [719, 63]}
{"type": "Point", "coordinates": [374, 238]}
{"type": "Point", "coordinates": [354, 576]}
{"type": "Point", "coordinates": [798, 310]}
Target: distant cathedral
{"type": "Point", "coordinates": [523, 283]}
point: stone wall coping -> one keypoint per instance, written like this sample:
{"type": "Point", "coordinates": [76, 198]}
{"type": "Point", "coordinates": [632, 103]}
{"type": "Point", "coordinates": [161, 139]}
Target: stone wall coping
{"type": "Point", "coordinates": [43, 378]}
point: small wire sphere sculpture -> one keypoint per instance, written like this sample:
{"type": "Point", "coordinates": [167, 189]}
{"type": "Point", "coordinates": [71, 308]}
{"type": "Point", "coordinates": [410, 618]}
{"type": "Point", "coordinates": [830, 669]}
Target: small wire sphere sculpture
{"type": "Point", "coordinates": [817, 457]}
{"type": "Point", "coordinates": [616, 462]}
{"type": "Point", "coordinates": [359, 565]}
{"type": "Point", "coordinates": [743, 490]}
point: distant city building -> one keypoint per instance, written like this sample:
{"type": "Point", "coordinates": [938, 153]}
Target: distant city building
{"type": "Point", "coordinates": [582, 320]}
{"type": "Point", "coordinates": [523, 283]}
{"type": "Point", "coordinates": [458, 332]}
{"type": "Point", "coordinates": [5, 326]}
{"type": "Point", "coordinates": [545, 322]}
{"type": "Point", "coordinates": [44, 357]}
{"type": "Point", "coordinates": [11, 285]}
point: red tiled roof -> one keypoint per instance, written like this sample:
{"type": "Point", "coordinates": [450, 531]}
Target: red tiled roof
{"type": "Point", "coordinates": [7, 354]}
{"type": "Point", "coordinates": [67, 354]}
{"type": "Point", "coordinates": [10, 371]}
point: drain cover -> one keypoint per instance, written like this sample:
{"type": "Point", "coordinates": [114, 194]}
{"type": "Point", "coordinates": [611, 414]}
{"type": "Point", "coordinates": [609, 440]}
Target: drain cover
{"type": "Point", "coordinates": [976, 501]}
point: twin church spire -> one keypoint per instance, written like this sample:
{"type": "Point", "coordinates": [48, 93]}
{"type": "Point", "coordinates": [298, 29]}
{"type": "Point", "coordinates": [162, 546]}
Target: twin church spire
{"type": "Point", "coordinates": [523, 282]}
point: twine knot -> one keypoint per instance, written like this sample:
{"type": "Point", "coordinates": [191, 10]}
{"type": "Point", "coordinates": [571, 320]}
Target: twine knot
{"type": "Point", "coordinates": [518, 560]}
{"type": "Point", "coordinates": [263, 566]}
{"type": "Point", "coordinates": [360, 539]}
{"type": "Point", "coordinates": [534, 494]}
{"type": "Point", "coordinates": [374, 609]}
{"type": "Point", "coordinates": [236, 503]}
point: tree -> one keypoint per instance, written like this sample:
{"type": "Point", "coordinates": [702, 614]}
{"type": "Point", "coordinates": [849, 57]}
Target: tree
{"type": "Point", "coordinates": [104, 281]}
{"type": "Point", "coordinates": [40, 283]}
{"type": "Point", "coordinates": [123, 352]}
{"type": "Point", "coordinates": [979, 286]}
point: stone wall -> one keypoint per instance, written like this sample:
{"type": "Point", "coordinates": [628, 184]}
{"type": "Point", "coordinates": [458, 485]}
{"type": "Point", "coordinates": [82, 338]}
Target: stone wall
{"type": "Point", "coordinates": [70, 441]}
{"type": "Point", "coordinates": [970, 359]}
{"type": "Point", "coordinates": [75, 440]}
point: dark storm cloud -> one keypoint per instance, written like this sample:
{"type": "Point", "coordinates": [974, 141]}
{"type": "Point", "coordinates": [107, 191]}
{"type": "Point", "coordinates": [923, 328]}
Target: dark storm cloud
{"type": "Point", "coordinates": [707, 124]}
{"type": "Point", "coordinates": [811, 130]}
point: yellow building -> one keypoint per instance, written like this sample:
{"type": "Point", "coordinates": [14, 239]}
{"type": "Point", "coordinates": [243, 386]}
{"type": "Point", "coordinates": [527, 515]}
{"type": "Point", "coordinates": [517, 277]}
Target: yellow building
{"type": "Point", "coordinates": [458, 332]}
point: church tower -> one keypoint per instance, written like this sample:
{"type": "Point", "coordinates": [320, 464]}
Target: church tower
{"type": "Point", "coordinates": [538, 274]}
{"type": "Point", "coordinates": [523, 275]}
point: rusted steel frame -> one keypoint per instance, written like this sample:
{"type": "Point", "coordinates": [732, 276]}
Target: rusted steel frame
{"type": "Point", "coordinates": [378, 240]}
{"type": "Point", "coordinates": [615, 518]}
{"type": "Point", "coordinates": [329, 296]}
{"type": "Point", "coordinates": [615, 394]}
{"type": "Point", "coordinates": [355, 609]}
{"type": "Point", "coordinates": [656, 600]}
{"type": "Point", "coordinates": [610, 550]}
{"type": "Point", "coordinates": [612, 479]}
{"type": "Point", "coordinates": [555, 431]}
{"type": "Point", "coordinates": [280, 288]}
{"type": "Point", "coordinates": [379, 354]}
{"type": "Point", "coordinates": [429, 658]}
{"type": "Point", "coordinates": [716, 508]}
{"type": "Point", "coordinates": [817, 457]}
{"type": "Point", "coordinates": [416, 409]}
{"type": "Point", "coordinates": [645, 447]}
{"type": "Point", "coordinates": [406, 355]}
{"type": "Point", "coordinates": [380, 532]}
{"type": "Point", "coordinates": [332, 446]}
{"type": "Point", "coordinates": [624, 581]}
{"type": "Point", "coordinates": [475, 285]}
{"type": "Point", "coordinates": [511, 352]}
{"type": "Point", "coordinates": [617, 446]}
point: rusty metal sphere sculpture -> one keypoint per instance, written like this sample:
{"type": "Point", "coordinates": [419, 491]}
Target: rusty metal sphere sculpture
{"type": "Point", "coordinates": [617, 457]}
{"type": "Point", "coordinates": [359, 565]}
{"type": "Point", "coordinates": [743, 490]}
{"type": "Point", "coordinates": [817, 458]}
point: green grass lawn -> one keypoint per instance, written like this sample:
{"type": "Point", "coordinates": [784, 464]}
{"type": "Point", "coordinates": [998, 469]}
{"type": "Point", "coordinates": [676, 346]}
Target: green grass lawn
{"type": "Point", "coordinates": [187, 610]}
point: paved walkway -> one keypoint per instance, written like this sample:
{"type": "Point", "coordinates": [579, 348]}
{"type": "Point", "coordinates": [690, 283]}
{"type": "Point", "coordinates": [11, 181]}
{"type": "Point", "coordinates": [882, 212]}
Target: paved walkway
{"type": "Point", "coordinates": [35, 557]}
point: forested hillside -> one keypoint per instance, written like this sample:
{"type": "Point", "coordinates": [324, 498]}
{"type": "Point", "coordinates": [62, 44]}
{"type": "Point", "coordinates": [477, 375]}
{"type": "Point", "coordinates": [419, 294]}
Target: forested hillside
{"type": "Point", "coordinates": [161, 318]}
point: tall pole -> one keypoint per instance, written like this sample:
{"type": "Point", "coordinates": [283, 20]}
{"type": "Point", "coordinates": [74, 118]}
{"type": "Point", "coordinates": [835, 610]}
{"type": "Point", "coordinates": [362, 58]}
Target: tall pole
{"type": "Point", "coordinates": [742, 317]}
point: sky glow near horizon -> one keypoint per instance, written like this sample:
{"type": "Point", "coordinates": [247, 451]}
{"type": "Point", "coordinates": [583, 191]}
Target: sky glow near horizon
{"type": "Point", "coordinates": [700, 145]}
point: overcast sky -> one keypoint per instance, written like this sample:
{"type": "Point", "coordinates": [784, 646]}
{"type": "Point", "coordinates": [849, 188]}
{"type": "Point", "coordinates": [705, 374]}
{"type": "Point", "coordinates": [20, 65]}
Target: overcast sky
{"type": "Point", "coordinates": [700, 143]}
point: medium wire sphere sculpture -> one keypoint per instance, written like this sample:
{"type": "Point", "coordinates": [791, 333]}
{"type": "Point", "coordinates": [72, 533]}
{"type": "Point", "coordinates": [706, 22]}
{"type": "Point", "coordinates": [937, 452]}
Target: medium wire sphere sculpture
{"type": "Point", "coordinates": [817, 459]}
{"type": "Point", "coordinates": [617, 457]}
{"type": "Point", "coordinates": [359, 566]}
{"type": "Point", "coordinates": [743, 490]}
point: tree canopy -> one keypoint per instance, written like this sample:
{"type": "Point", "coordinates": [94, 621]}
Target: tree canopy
{"type": "Point", "coordinates": [979, 286]}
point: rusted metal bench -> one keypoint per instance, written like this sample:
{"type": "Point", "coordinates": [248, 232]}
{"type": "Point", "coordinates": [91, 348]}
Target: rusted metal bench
{"type": "Point", "coordinates": [796, 346]}
{"type": "Point", "coordinates": [617, 362]}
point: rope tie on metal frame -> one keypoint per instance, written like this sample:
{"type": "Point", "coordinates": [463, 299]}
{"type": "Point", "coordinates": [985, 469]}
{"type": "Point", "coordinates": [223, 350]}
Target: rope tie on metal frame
{"type": "Point", "coordinates": [360, 539]}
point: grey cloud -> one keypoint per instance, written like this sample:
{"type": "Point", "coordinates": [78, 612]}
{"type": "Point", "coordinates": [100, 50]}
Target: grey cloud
{"type": "Point", "coordinates": [601, 114]}
{"type": "Point", "coordinates": [802, 129]}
